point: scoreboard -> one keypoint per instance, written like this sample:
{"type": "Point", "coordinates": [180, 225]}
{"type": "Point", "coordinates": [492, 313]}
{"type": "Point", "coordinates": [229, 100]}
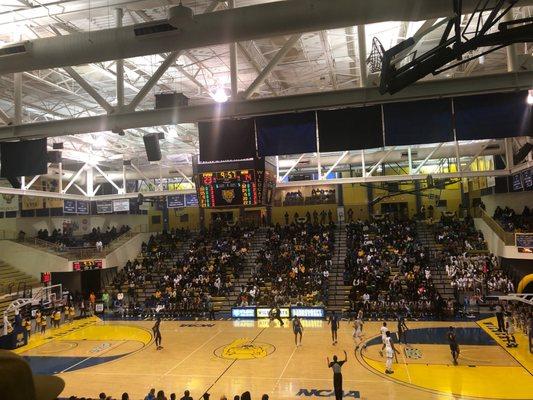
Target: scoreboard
{"type": "Point", "coordinates": [228, 188]}
{"type": "Point", "coordinates": [234, 183]}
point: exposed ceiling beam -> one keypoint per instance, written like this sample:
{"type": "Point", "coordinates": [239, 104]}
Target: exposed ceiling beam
{"type": "Point", "coordinates": [209, 29]}
{"type": "Point", "coordinates": [311, 101]}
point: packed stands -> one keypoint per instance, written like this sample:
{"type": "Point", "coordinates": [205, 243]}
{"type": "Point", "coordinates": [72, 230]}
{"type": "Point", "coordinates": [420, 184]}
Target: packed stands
{"type": "Point", "coordinates": [292, 267]}
{"type": "Point", "coordinates": [512, 221]}
{"type": "Point", "coordinates": [458, 235]}
{"type": "Point", "coordinates": [182, 280]}
{"type": "Point", "coordinates": [388, 269]}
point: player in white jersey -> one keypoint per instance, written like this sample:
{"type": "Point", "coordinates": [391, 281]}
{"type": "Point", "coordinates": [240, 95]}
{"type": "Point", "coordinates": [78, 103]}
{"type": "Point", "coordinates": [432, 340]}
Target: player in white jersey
{"type": "Point", "coordinates": [383, 330]}
{"type": "Point", "coordinates": [358, 329]}
{"type": "Point", "coordinates": [390, 351]}
{"type": "Point", "coordinates": [509, 330]}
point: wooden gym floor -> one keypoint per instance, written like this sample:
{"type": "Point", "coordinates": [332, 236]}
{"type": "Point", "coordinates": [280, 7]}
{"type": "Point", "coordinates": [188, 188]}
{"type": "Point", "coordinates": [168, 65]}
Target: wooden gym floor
{"type": "Point", "coordinates": [230, 357]}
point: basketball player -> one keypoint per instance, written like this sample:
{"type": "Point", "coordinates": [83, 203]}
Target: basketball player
{"type": "Point", "coordinates": [402, 330]}
{"type": "Point", "coordinates": [383, 330]}
{"type": "Point", "coordinates": [275, 313]}
{"type": "Point", "coordinates": [157, 333]}
{"type": "Point", "coordinates": [298, 329]}
{"type": "Point", "coordinates": [336, 366]}
{"type": "Point", "coordinates": [454, 347]}
{"type": "Point", "coordinates": [509, 330]}
{"type": "Point", "coordinates": [358, 329]}
{"type": "Point", "coordinates": [390, 352]}
{"type": "Point", "coordinates": [334, 322]}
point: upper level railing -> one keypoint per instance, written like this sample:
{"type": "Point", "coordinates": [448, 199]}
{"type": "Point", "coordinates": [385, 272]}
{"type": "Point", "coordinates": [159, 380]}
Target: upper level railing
{"type": "Point", "coordinates": [506, 237]}
{"type": "Point", "coordinates": [73, 253]}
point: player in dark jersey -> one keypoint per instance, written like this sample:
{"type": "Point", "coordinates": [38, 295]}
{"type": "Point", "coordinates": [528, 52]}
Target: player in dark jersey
{"type": "Point", "coordinates": [454, 347]}
{"type": "Point", "coordinates": [298, 329]}
{"type": "Point", "coordinates": [402, 330]}
{"type": "Point", "coordinates": [157, 333]}
{"type": "Point", "coordinates": [275, 313]}
{"type": "Point", "coordinates": [334, 322]}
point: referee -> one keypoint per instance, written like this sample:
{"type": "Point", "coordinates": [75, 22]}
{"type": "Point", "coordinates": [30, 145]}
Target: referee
{"type": "Point", "coordinates": [336, 366]}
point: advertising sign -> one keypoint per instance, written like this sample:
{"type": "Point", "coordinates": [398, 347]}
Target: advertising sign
{"type": "Point", "coordinates": [264, 312]}
{"type": "Point", "coordinates": [243, 312]}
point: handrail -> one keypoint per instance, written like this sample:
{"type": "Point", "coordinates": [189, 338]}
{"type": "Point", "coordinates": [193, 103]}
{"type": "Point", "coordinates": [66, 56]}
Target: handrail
{"type": "Point", "coordinates": [506, 237]}
{"type": "Point", "coordinates": [79, 253]}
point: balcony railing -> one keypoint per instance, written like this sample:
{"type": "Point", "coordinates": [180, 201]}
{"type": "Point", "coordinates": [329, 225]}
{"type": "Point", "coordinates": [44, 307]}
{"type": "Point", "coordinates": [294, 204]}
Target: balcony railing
{"type": "Point", "coordinates": [506, 237]}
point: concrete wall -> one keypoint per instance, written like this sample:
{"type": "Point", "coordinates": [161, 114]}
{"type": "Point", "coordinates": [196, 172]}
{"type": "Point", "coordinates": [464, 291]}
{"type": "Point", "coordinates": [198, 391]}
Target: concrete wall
{"type": "Point", "coordinates": [31, 261]}
{"type": "Point", "coordinates": [516, 201]}
{"type": "Point", "coordinates": [497, 246]}
{"type": "Point", "coordinates": [128, 251]}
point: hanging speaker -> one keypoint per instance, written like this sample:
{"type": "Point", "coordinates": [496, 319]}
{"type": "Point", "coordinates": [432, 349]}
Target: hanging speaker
{"type": "Point", "coordinates": [151, 145]}
{"type": "Point", "coordinates": [54, 157]}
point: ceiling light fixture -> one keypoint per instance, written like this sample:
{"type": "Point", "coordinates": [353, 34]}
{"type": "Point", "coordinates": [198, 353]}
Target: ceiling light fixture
{"type": "Point", "coordinates": [220, 95]}
{"type": "Point", "coordinates": [529, 99]}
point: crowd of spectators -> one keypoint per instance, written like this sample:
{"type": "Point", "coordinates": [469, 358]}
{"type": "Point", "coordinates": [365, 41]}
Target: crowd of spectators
{"type": "Point", "coordinates": [318, 196]}
{"type": "Point", "coordinates": [388, 269]}
{"type": "Point", "coordinates": [160, 395]}
{"type": "Point", "coordinates": [292, 267]}
{"type": "Point", "coordinates": [459, 235]}
{"type": "Point", "coordinates": [96, 238]}
{"type": "Point", "coordinates": [322, 196]}
{"type": "Point", "coordinates": [475, 273]}
{"type": "Point", "coordinates": [294, 198]}
{"type": "Point", "coordinates": [513, 222]}
{"type": "Point", "coordinates": [323, 217]}
{"type": "Point", "coordinates": [184, 284]}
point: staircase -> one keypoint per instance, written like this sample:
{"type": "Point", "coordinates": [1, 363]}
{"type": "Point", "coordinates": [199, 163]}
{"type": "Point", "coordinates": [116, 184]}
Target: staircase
{"type": "Point", "coordinates": [258, 242]}
{"type": "Point", "coordinates": [440, 278]}
{"type": "Point", "coordinates": [13, 281]}
{"type": "Point", "coordinates": [338, 293]}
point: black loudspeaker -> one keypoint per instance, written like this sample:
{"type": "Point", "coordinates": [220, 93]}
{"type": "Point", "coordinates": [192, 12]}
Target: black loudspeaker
{"type": "Point", "coordinates": [151, 145]}
{"type": "Point", "coordinates": [126, 162]}
{"type": "Point", "coordinates": [54, 157]}
{"type": "Point", "coordinates": [15, 182]}
{"type": "Point", "coordinates": [522, 153]}
{"type": "Point", "coordinates": [57, 146]}
{"type": "Point", "coordinates": [168, 100]}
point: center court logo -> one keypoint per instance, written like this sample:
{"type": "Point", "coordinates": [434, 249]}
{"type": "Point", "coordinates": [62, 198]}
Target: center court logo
{"type": "Point", "coordinates": [327, 393]}
{"type": "Point", "coordinates": [244, 349]}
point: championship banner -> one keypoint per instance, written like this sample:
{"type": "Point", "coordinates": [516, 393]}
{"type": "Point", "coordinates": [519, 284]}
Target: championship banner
{"type": "Point", "coordinates": [32, 202]}
{"type": "Point", "coordinates": [9, 202]}
{"type": "Point", "coordinates": [53, 202]}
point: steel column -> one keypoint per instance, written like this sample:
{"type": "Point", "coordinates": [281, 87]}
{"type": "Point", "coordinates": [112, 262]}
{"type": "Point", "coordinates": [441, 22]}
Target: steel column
{"type": "Point", "coordinates": [119, 14]}
{"type": "Point", "coordinates": [361, 40]}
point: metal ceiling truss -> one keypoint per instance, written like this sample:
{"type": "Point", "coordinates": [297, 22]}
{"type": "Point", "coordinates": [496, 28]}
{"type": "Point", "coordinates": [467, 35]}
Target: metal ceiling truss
{"type": "Point", "coordinates": [455, 43]}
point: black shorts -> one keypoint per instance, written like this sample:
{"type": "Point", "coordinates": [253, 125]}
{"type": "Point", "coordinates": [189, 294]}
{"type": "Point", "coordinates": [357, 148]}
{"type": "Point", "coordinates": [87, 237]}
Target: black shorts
{"type": "Point", "coordinates": [454, 347]}
{"type": "Point", "coordinates": [297, 331]}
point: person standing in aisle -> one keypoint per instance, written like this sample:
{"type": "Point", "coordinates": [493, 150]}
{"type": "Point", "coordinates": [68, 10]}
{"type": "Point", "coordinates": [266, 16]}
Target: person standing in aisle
{"type": "Point", "coordinates": [336, 366]}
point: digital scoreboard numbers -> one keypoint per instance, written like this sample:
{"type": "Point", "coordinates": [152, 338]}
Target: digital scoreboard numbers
{"type": "Point", "coordinates": [228, 188]}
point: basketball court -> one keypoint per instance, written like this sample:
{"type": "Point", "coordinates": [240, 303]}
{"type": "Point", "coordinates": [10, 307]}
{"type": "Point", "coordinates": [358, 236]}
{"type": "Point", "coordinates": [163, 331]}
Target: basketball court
{"type": "Point", "coordinates": [230, 357]}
